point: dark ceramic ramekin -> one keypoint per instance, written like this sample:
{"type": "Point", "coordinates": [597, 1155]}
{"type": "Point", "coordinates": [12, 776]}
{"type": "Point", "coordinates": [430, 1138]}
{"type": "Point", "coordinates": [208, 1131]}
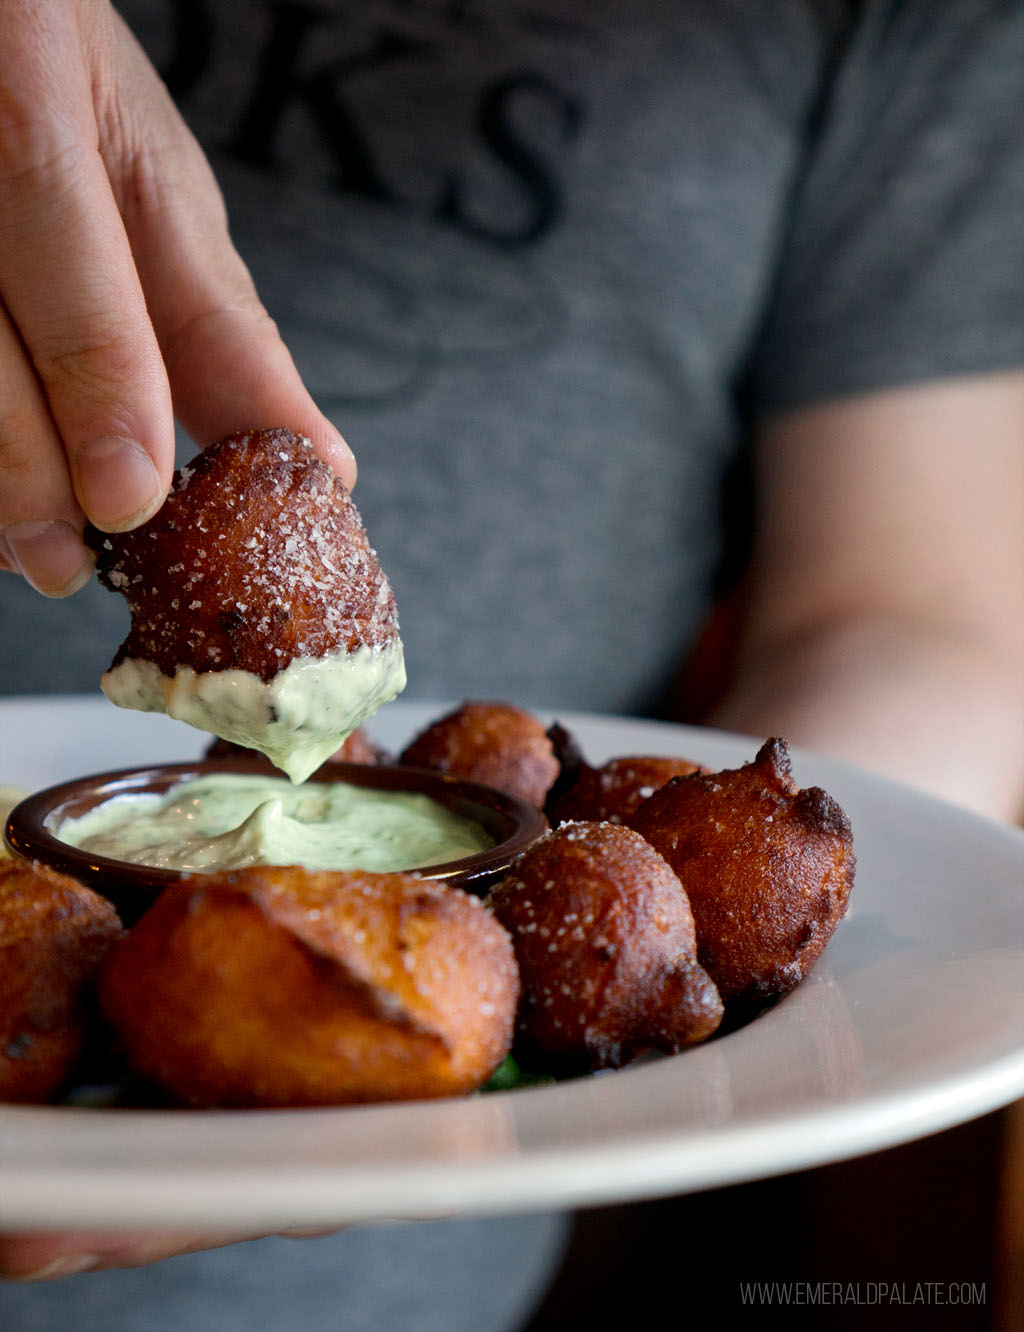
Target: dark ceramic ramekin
{"type": "Point", "coordinates": [32, 826]}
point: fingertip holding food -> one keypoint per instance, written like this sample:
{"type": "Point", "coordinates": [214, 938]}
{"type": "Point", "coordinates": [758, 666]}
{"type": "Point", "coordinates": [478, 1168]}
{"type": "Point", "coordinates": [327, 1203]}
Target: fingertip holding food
{"type": "Point", "coordinates": [332, 447]}
{"type": "Point", "coordinates": [49, 555]}
{"type": "Point", "coordinates": [117, 482]}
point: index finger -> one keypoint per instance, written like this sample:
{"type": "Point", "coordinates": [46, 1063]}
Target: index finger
{"type": "Point", "coordinates": [68, 279]}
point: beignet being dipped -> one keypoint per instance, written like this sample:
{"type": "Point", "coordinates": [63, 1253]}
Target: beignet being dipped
{"type": "Point", "coordinates": [258, 609]}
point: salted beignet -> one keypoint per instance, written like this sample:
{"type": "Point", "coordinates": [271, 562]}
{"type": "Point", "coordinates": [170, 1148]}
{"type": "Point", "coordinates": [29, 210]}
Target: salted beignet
{"type": "Point", "coordinates": [767, 867]}
{"type": "Point", "coordinates": [258, 609]}
{"type": "Point", "coordinates": [614, 791]}
{"type": "Point", "coordinates": [288, 987]}
{"type": "Point", "coordinates": [497, 744]}
{"type": "Point", "coordinates": [607, 951]}
{"type": "Point", "coordinates": [53, 934]}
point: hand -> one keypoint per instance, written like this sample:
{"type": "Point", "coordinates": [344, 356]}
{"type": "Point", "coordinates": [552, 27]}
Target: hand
{"type": "Point", "coordinates": [45, 1256]}
{"type": "Point", "coordinates": [122, 299]}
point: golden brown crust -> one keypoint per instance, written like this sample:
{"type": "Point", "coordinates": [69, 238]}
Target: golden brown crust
{"type": "Point", "coordinates": [292, 987]}
{"type": "Point", "coordinates": [613, 792]}
{"type": "Point", "coordinates": [768, 869]}
{"type": "Point", "coordinates": [257, 557]}
{"type": "Point", "coordinates": [497, 744]}
{"type": "Point", "coordinates": [53, 935]}
{"type": "Point", "coordinates": [607, 950]}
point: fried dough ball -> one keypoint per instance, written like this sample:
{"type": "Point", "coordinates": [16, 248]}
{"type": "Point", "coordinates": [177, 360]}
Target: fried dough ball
{"type": "Point", "coordinates": [258, 609]}
{"type": "Point", "coordinates": [288, 987]}
{"type": "Point", "coordinates": [607, 950]}
{"type": "Point", "coordinates": [613, 792]}
{"type": "Point", "coordinates": [497, 744]}
{"type": "Point", "coordinates": [768, 869]}
{"type": "Point", "coordinates": [53, 935]}
{"type": "Point", "coordinates": [258, 556]}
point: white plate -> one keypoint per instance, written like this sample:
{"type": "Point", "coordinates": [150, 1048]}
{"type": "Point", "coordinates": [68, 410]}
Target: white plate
{"type": "Point", "coordinates": [913, 1021]}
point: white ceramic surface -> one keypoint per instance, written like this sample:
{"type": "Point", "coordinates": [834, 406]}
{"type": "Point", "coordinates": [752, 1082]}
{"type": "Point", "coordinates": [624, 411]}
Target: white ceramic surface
{"type": "Point", "coordinates": [913, 1021]}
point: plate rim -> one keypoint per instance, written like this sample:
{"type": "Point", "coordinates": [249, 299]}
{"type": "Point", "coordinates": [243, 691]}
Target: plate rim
{"type": "Point", "coordinates": [682, 1159]}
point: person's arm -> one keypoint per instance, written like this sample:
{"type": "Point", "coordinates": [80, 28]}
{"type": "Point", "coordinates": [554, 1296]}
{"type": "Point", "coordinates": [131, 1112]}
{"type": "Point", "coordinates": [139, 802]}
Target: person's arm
{"type": "Point", "coordinates": [121, 295]}
{"type": "Point", "coordinates": [885, 621]}
{"type": "Point", "coordinates": [122, 302]}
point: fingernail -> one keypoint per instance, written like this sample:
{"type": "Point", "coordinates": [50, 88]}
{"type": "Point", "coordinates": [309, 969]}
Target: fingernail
{"type": "Point", "coordinates": [68, 1264]}
{"type": "Point", "coordinates": [118, 485]}
{"type": "Point", "coordinates": [50, 556]}
{"type": "Point", "coordinates": [337, 455]}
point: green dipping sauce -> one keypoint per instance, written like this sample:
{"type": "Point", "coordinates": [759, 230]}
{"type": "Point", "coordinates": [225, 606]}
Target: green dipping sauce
{"type": "Point", "coordinates": [231, 820]}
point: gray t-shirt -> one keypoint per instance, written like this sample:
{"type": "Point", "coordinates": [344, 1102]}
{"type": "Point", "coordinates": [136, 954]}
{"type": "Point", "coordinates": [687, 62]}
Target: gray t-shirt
{"type": "Point", "coordinates": [544, 265]}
